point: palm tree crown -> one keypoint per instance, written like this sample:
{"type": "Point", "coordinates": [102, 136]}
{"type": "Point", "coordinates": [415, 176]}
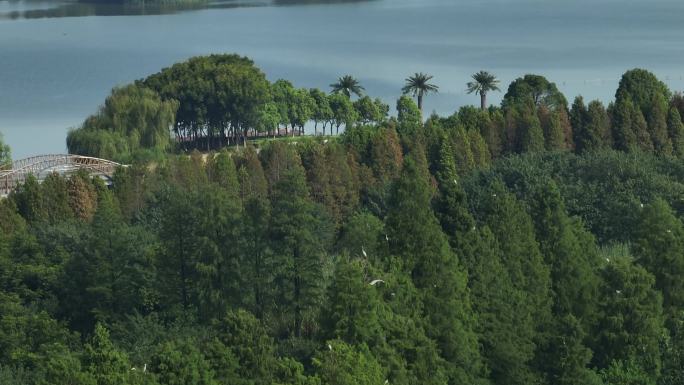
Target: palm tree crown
{"type": "Point", "coordinates": [347, 85]}
{"type": "Point", "coordinates": [418, 85]}
{"type": "Point", "coordinates": [483, 83]}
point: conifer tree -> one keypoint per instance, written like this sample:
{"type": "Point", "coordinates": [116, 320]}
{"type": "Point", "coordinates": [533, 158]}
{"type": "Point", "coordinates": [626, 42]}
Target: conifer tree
{"type": "Point", "coordinates": [82, 197]}
{"type": "Point", "coordinates": [299, 244]}
{"type": "Point", "coordinates": [465, 162]}
{"type": "Point", "coordinates": [657, 126]}
{"type": "Point", "coordinates": [222, 171]}
{"type": "Point", "coordinates": [570, 252]}
{"type": "Point", "coordinates": [353, 303]}
{"type": "Point", "coordinates": [55, 195]}
{"type": "Point", "coordinates": [103, 361]}
{"type": "Point", "coordinates": [530, 136]}
{"type": "Point", "coordinates": [386, 155]}
{"type": "Point", "coordinates": [578, 120]}
{"type": "Point", "coordinates": [530, 292]}
{"type": "Point", "coordinates": [435, 271]}
{"type": "Point", "coordinates": [675, 130]}
{"type": "Point", "coordinates": [251, 177]}
{"type": "Point", "coordinates": [554, 137]}
{"type": "Point", "coordinates": [658, 247]}
{"type": "Point", "coordinates": [478, 147]}
{"type": "Point", "coordinates": [640, 128]}
{"type": "Point", "coordinates": [623, 126]}
{"type": "Point", "coordinates": [598, 127]}
{"type": "Point", "coordinates": [631, 321]}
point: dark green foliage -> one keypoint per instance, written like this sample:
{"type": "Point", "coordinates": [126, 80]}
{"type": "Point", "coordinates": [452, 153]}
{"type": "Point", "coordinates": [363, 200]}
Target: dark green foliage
{"type": "Point", "coordinates": [434, 269]}
{"type": "Point", "coordinates": [298, 237]}
{"type": "Point", "coordinates": [641, 87]}
{"type": "Point", "coordinates": [675, 130]}
{"type": "Point", "coordinates": [5, 155]}
{"type": "Point", "coordinates": [536, 89]}
{"type": "Point", "coordinates": [657, 247]}
{"type": "Point", "coordinates": [631, 320]}
{"type": "Point", "coordinates": [400, 253]}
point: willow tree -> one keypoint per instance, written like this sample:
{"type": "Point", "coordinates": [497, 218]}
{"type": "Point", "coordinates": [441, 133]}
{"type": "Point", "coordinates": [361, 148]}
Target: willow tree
{"type": "Point", "coordinates": [5, 154]}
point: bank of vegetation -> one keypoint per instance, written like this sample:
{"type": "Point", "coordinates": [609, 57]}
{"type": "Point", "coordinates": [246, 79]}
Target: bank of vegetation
{"type": "Point", "coordinates": [531, 243]}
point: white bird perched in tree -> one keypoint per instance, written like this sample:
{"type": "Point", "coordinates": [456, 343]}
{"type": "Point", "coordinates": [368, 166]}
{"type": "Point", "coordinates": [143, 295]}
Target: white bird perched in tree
{"type": "Point", "coordinates": [364, 252]}
{"type": "Point", "coordinates": [330, 347]}
{"type": "Point", "coordinates": [376, 281]}
{"type": "Point", "coordinates": [386, 238]}
{"type": "Point", "coordinates": [145, 368]}
{"type": "Point", "coordinates": [607, 259]}
{"type": "Point", "coordinates": [618, 291]}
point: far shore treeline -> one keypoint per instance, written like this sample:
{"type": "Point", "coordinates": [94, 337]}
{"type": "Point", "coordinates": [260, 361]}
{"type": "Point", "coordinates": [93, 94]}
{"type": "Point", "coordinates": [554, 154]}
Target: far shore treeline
{"type": "Point", "coordinates": [219, 100]}
{"type": "Point", "coordinates": [533, 243]}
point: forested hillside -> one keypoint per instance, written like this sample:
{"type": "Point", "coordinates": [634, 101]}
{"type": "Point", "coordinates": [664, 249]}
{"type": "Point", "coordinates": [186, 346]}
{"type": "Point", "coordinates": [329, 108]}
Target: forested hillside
{"type": "Point", "coordinates": [532, 243]}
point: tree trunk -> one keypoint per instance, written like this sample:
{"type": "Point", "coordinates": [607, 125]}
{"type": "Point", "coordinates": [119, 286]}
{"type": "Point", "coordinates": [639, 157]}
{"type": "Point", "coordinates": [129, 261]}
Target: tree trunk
{"type": "Point", "coordinates": [420, 103]}
{"type": "Point", "coordinates": [483, 100]}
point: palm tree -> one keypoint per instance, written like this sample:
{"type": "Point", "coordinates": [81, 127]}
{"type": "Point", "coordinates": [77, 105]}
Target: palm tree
{"type": "Point", "coordinates": [418, 86]}
{"type": "Point", "coordinates": [484, 82]}
{"type": "Point", "coordinates": [347, 85]}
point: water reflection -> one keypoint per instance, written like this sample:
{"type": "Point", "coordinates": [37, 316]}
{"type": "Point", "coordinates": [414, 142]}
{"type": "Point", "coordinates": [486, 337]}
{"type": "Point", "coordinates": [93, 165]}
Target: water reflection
{"type": "Point", "coordinates": [14, 10]}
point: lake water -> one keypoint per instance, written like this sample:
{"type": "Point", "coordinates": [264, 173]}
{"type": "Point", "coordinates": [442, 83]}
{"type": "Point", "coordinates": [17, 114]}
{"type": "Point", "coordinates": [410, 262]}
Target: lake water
{"type": "Point", "coordinates": [58, 61]}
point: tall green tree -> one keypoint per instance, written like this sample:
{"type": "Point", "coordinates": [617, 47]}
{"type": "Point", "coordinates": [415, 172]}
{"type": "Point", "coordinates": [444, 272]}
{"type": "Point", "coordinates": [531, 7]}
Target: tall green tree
{"type": "Point", "coordinates": [483, 82]}
{"type": "Point", "coordinates": [5, 154]}
{"type": "Point", "coordinates": [435, 270]}
{"type": "Point", "coordinates": [675, 130]}
{"type": "Point", "coordinates": [418, 85]}
{"type": "Point", "coordinates": [657, 247]}
{"type": "Point", "coordinates": [631, 319]}
{"type": "Point", "coordinates": [322, 112]}
{"type": "Point", "coordinates": [299, 244]}
{"type": "Point", "coordinates": [536, 89]}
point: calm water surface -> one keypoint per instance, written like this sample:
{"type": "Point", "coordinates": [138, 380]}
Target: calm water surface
{"type": "Point", "coordinates": [58, 61]}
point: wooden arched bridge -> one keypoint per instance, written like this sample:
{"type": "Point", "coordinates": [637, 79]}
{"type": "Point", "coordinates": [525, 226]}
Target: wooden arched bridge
{"type": "Point", "coordinates": [43, 165]}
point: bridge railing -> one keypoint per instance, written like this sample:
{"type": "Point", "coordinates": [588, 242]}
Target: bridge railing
{"type": "Point", "coordinates": [43, 165]}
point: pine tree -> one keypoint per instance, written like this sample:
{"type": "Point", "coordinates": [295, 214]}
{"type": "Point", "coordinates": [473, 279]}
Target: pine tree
{"type": "Point", "coordinates": [529, 277]}
{"type": "Point", "coordinates": [417, 237]}
{"type": "Point", "coordinates": [222, 171]}
{"type": "Point", "coordinates": [567, 357]}
{"type": "Point", "coordinates": [554, 137]}
{"type": "Point", "coordinates": [252, 179]}
{"type": "Point", "coordinates": [578, 120]}
{"type": "Point", "coordinates": [571, 253]}
{"type": "Point", "coordinates": [623, 126]}
{"type": "Point", "coordinates": [103, 361]}
{"type": "Point", "coordinates": [530, 135]}
{"type": "Point", "coordinates": [657, 126]}
{"type": "Point", "coordinates": [299, 244]}
{"type": "Point", "coordinates": [675, 130]}
{"type": "Point", "coordinates": [353, 303]}
{"type": "Point", "coordinates": [641, 132]}
{"type": "Point", "coordinates": [82, 197]}
{"type": "Point", "coordinates": [658, 246]}
{"type": "Point", "coordinates": [598, 127]}
{"type": "Point", "coordinates": [386, 155]}
{"type": "Point", "coordinates": [631, 321]}
{"type": "Point", "coordinates": [465, 162]}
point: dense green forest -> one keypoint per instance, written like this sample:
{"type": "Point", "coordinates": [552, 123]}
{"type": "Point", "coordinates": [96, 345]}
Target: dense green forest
{"type": "Point", "coordinates": [531, 243]}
